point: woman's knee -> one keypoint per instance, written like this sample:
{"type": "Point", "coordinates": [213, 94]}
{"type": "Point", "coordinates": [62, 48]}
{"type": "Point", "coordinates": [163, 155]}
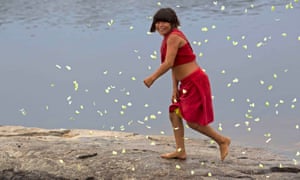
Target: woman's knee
{"type": "Point", "coordinates": [198, 127]}
{"type": "Point", "coordinates": [174, 117]}
{"type": "Point", "coordinates": [174, 114]}
{"type": "Point", "coordinates": [192, 125]}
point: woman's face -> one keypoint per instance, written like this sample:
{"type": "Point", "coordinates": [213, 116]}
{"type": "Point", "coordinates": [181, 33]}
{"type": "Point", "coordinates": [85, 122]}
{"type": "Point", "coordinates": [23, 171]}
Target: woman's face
{"type": "Point", "coordinates": [162, 27]}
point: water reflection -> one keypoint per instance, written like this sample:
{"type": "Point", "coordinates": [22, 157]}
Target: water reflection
{"type": "Point", "coordinates": [95, 14]}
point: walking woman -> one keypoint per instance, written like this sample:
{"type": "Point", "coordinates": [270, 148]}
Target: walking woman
{"type": "Point", "coordinates": [191, 97]}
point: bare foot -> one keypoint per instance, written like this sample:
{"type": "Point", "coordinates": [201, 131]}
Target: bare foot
{"type": "Point", "coordinates": [224, 148]}
{"type": "Point", "coordinates": [174, 155]}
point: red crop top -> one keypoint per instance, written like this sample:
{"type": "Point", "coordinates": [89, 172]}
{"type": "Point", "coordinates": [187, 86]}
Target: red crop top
{"type": "Point", "coordinates": [184, 55]}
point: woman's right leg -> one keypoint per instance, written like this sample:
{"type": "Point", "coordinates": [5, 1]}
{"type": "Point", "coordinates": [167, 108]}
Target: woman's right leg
{"type": "Point", "coordinates": [178, 131]}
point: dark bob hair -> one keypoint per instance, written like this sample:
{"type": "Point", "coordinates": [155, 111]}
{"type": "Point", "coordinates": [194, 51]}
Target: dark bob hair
{"type": "Point", "coordinates": [165, 15]}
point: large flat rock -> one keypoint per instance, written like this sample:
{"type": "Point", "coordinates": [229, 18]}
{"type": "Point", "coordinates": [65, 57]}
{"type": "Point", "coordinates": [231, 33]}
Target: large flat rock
{"type": "Point", "coordinates": [33, 153]}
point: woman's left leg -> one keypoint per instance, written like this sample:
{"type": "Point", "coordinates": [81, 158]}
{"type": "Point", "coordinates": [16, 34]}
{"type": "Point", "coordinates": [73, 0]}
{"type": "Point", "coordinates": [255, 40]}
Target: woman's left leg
{"type": "Point", "coordinates": [222, 141]}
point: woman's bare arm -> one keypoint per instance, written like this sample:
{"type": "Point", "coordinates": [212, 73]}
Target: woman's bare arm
{"type": "Point", "coordinates": [173, 45]}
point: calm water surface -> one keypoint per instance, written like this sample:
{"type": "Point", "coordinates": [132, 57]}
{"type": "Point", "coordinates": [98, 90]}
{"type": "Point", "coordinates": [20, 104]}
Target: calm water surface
{"type": "Point", "coordinates": [250, 50]}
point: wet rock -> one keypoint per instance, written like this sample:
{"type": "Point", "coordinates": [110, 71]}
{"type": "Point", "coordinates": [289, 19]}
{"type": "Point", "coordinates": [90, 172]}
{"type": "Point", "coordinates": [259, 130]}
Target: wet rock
{"type": "Point", "coordinates": [33, 153]}
{"type": "Point", "coordinates": [285, 169]}
{"type": "Point", "coordinates": [9, 174]}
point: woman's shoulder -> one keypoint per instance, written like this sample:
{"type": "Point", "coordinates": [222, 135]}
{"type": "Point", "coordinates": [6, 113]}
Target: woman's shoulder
{"type": "Point", "coordinates": [177, 32]}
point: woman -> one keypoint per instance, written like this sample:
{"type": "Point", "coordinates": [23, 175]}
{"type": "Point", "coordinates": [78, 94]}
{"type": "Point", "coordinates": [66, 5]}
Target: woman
{"type": "Point", "coordinates": [191, 98]}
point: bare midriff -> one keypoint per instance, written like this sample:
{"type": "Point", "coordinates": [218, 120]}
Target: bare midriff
{"type": "Point", "coordinates": [184, 70]}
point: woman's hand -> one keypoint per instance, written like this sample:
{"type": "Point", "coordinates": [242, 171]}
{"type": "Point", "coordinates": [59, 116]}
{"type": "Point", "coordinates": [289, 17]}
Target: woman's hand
{"type": "Point", "coordinates": [175, 96]}
{"type": "Point", "coordinates": [148, 81]}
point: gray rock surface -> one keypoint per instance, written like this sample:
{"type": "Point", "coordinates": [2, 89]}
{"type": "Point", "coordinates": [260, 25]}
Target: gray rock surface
{"type": "Point", "coordinates": [33, 153]}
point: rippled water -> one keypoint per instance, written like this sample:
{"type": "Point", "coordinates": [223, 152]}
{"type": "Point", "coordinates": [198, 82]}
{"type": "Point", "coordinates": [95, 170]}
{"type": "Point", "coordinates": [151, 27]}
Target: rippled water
{"type": "Point", "coordinates": [250, 52]}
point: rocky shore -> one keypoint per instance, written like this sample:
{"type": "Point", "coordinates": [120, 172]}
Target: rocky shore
{"type": "Point", "coordinates": [33, 153]}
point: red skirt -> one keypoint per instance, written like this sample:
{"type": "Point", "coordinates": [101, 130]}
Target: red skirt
{"type": "Point", "coordinates": [195, 99]}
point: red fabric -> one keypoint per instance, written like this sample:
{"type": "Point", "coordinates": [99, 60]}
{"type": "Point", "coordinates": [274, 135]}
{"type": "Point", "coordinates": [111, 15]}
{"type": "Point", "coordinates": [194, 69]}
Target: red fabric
{"type": "Point", "coordinates": [195, 100]}
{"type": "Point", "coordinates": [185, 53]}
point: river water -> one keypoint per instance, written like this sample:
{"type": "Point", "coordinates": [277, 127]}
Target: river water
{"type": "Point", "coordinates": [80, 64]}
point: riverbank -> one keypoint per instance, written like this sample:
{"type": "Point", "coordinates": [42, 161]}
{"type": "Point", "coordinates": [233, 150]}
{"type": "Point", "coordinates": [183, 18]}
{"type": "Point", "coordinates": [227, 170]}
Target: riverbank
{"type": "Point", "coordinates": [34, 153]}
{"type": "Point", "coordinates": [79, 64]}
